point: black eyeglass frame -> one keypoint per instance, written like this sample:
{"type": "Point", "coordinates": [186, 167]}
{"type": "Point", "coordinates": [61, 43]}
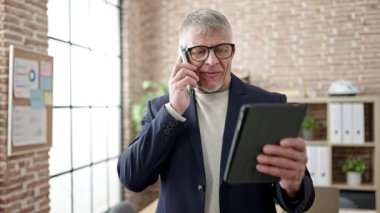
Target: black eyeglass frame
{"type": "Point", "coordinates": [208, 51]}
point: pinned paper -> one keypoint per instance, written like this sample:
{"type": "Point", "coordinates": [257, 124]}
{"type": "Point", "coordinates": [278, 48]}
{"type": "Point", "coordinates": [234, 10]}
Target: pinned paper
{"type": "Point", "coordinates": [29, 126]}
{"type": "Point", "coordinates": [36, 98]}
{"type": "Point", "coordinates": [48, 98]}
{"type": "Point", "coordinates": [25, 77]}
{"type": "Point", "coordinates": [46, 83]}
{"type": "Point", "coordinates": [46, 68]}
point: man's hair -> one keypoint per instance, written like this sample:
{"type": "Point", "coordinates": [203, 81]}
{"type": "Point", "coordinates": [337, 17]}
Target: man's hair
{"type": "Point", "coordinates": [205, 21]}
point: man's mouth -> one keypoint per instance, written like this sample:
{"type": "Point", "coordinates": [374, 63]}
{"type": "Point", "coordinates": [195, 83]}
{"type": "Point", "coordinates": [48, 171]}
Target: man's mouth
{"type": "Point", "coordinates": [210, 74]}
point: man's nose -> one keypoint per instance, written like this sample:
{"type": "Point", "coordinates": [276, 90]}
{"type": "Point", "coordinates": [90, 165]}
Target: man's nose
{"type": "Point", "coordinates": [212, 59]}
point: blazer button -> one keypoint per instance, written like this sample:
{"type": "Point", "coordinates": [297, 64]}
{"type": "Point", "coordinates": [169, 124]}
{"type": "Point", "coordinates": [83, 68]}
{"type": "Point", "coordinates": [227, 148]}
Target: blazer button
{"type": "Point", "coordinates": [200, 188]}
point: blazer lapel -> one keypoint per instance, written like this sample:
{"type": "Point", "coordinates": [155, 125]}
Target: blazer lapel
{"type": "Point", "coordinates": [236, 99]}
{"type": "Point", "coordinates": [193, 132]}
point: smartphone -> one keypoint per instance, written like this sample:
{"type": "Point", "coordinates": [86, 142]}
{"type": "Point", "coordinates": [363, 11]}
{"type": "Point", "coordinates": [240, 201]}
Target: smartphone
{"type": "Point", "coordinates": [190, 88]}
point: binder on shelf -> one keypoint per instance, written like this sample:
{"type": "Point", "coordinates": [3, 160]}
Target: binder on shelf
{"type": "Point", "coordinates": [347, 123]}
{"type": "Point", "coordinates": [319, 164]}
{"type": "Point", "coordinates": [359, 115]}
{"type": "Point", "coordinates": [335, 113]}
{"type": "Point", "coordinates": [323, 166]}
{"type": "Point", "coordinates": [358, 123]}
{"type": "Point", "coordinates": [312, 162]}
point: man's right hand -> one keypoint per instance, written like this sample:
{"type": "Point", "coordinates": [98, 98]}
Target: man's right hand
{"type": "Point", "coordinates": [182, 75]}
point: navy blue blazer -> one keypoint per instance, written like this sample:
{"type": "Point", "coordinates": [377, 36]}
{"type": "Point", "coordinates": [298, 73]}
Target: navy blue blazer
{"type": "Point", "coordinates": [172, 150]}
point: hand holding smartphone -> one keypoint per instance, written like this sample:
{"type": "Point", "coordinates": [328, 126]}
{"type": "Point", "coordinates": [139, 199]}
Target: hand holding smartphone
{"type": "Point", "coordinates": [190, 88]}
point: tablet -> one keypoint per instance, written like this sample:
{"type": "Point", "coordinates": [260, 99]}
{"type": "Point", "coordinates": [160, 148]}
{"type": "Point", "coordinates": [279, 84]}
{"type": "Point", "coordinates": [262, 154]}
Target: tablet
{"type": "Point", "coordinates": [260, 124]}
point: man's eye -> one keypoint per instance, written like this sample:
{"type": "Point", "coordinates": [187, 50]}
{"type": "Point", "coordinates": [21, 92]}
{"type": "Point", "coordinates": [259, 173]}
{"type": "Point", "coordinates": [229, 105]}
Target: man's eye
{"type": "Point", "coordinates": [198, 51]}
{"type": "Point", "coordinates": [222, 51]}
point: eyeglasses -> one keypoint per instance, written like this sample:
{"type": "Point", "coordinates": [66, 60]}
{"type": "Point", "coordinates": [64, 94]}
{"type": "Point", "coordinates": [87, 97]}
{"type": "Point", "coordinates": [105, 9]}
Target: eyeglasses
{"type": "Point", "coordinates": [221, 51]}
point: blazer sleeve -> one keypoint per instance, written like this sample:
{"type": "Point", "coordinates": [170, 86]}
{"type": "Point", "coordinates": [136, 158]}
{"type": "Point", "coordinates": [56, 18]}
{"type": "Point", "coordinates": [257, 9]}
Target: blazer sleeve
{"type": "Point", "coordinates": [305, 197]}
{"type": "Point", "coordinates": [140, 163]}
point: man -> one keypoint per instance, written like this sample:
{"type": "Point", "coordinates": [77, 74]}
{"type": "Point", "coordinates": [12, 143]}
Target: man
{"type": "Point", "coordinates": [185, 139]}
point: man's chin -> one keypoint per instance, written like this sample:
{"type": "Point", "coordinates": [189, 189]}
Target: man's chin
{"type": "Point", "coordinates": [210, 89]}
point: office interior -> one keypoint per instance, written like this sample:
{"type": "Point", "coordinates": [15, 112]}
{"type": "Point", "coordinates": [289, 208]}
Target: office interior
{"type": "Point", "coordinates": [109, 56]}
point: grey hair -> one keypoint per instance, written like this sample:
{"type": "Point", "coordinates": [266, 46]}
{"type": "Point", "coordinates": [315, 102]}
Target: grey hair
{"type": "Point", "coordinates": [204, 20]}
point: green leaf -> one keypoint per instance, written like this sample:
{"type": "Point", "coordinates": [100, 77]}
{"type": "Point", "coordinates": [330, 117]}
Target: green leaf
{"type": "Point", "coordinates": [354, 164]}
{"type": "Point", "coordinates": [146, 84]}
{"type": "Point", "coordinates": [151, 90]}
{"type": "Point", "coordinates": [309, 123]}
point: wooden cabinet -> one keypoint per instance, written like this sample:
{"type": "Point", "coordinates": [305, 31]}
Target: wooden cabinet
{"type": "Point", "coordinates": [358, 120]}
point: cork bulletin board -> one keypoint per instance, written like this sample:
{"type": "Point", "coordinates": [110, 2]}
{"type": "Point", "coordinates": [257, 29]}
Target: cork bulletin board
{"type": "Point", "coordinates": [30, 101]}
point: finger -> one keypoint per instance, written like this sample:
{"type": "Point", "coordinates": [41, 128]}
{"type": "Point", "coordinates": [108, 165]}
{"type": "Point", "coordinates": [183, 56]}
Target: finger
{"type": "Point", "coordinates": [182, 83]}
{"type": "Point", "coordinates": [295, 143]}
{"type": "Point", "coordinates": [289, 153]}
{"type": "Point", "coordinates": [181, 74]}
{"type": "Point", "coordinates": [176, 67]}
{"type": "Point", "coordinates": [278, 162]}
{"type": "Point", "coordinates": [184, 72]}
{"type": "Point", "coordinates": [192, 74]}
{"type": "Point", "coordinates": [278, 172]}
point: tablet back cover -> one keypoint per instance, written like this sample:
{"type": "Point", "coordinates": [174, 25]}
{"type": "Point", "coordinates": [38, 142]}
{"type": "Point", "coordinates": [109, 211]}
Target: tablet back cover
{"type": "Point", "coordinates": [260, 124]}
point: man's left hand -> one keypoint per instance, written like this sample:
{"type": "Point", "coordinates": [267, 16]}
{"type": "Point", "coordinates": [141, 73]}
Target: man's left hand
{"type": "Point", "coordinates": [286, 161]}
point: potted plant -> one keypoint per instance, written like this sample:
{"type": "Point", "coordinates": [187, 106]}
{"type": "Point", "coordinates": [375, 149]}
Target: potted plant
{"type": "Point", "coordinates": [151, 89]}
{"type": "Point", "coordinates": [309, 125]}
{"type": "Point", "coordinates": [354, 167]}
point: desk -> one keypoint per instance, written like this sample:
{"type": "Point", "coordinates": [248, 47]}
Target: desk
{"type": "Point", "coordinates": [356, 211]}
{"type": "Point", "coordinates": [151, 208]}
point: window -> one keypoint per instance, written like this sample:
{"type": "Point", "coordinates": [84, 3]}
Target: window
{"type": "Point", "coordinates": [84, 39]}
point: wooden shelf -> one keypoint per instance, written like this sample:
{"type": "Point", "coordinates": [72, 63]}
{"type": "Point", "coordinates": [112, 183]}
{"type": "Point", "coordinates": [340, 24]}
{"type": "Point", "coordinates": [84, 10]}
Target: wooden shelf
{"type": "Point", "coordinates": [316, 143]}
{"type": "Point", "coordinates": [336, 153]}
{"type": "Point", "coordinates": [362, 187]}
{"type": "Point", "coordinates": [331, 99]}
{"type": "Point", "coordinates": [354, 145]}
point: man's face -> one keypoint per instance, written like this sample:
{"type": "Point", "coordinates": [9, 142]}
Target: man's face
{"type": "Point", "coordinates": [214, 73]}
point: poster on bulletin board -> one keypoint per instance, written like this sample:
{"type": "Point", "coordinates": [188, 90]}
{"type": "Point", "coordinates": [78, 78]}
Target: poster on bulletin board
{"type": "Point", "coordinates": [30, 101]}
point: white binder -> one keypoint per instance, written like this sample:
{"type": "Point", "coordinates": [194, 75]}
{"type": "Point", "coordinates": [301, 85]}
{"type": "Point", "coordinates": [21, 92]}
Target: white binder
{"type": "Point", "coordinates": [347, 123]}
{"type": "Point", "coordinates": [312, 162]}
{"type": "Point", "coordinates": [323, 166]}
{"type": "Point", "coordinates": [358, 123]}
{"type": "Point", "coordinates": [335, 127]}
